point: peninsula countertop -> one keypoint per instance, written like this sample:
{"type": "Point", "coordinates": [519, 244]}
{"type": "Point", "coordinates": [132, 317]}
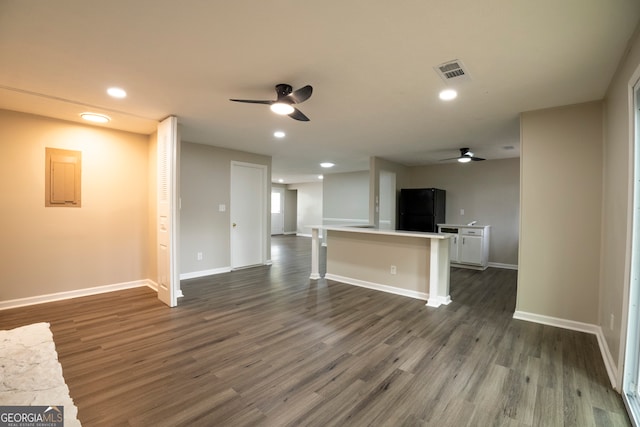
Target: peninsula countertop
{"type": "Point", "coordinates": [408, 263]}
{"type": "Point", "coordinates": [370, 229]}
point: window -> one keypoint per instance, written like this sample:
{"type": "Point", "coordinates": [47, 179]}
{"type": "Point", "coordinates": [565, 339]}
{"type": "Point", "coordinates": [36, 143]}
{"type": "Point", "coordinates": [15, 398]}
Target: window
{"type": "Point", "coordinates": [631, 380]}
{"type": "Point", "coordinates": [275, 203]}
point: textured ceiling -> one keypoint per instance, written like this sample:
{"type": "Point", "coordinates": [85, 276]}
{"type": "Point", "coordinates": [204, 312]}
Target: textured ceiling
{"type": "Point", "coordinates": [370, 63]}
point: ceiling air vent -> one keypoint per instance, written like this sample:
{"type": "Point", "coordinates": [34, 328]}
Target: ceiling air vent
{"type": "Point", "coordinates": [452, 71]}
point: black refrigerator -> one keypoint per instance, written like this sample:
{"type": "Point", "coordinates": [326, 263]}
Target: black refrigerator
{"type": "Point", "coordinates": [421, 209]}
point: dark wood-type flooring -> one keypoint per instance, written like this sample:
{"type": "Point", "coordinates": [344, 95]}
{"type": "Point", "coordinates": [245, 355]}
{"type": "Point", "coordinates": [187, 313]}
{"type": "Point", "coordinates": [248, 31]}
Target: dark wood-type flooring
{"type": "Point", "coordinates": [267, 346]}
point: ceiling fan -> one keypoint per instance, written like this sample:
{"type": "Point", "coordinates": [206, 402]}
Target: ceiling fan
{"type": "Point", "coordinates": [286, 98]}
{"type": "Point", "coordinates": [465, 157]}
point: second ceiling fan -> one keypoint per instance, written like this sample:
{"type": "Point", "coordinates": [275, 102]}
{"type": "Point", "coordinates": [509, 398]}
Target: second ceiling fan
{"type": "Point", "coordinates": [286, 97]}
{"type": "Point", "coordinates": [465, 156]}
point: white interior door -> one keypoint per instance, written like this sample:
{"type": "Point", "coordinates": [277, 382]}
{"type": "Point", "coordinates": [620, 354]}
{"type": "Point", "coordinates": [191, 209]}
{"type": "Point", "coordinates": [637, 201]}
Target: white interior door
{"type": "Point", "coordinates": [248, 214]}
{"type": "Point", "coordinates": [277, 210]}
{"type": "Point", "coordinates": [167, 214]}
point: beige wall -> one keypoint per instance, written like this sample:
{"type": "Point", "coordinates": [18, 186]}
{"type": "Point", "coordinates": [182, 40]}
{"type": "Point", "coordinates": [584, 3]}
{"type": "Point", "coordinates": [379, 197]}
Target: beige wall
{"type": "Point", "coordinates": [618, 172]}
{"type": "Point", "coordinates": [561, 200]}
{"type": "Point", "coordinates": [489, 192]}
{"type": "Point", "coordinates": [50, 250]}
{"type": "Point", "coordinates": [205, 184]}
{"type": "Point", "coordinates": [369, 257]}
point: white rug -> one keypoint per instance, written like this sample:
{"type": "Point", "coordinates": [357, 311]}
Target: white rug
{"type": "Point", "coordinates": [30, 374]}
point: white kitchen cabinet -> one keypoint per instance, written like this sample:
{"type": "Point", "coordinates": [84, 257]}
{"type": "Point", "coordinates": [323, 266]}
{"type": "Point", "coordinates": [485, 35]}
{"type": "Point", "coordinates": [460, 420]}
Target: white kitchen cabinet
{"type": "Point", "coordinates": [453, 248]}
{"type": "Point", "coordinates": [470, 250]}
{"type": "Point", "coordinates": [469, 245]}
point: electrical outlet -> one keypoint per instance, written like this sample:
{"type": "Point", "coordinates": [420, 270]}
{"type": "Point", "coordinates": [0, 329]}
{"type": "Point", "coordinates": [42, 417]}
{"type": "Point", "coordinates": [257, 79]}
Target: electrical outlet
{"type": "Point", "coordinates": [393, 269]}
{"type": "Point", "coordinates": [462, 212]}
{"type": "Point", "coordinates": [199, 256]}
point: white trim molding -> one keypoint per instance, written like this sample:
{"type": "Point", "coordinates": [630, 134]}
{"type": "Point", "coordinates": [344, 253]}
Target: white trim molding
{"type": "Point", "coordinates": [504, 266]}
{"type": "Point", "coordinates": [580, 327]}
{"type": "Point", "coordinates": [58, 296]}
{"type": "Point", "coordinates": [203, 273]}
{"type": "Point", "coordinates": [378, 287]}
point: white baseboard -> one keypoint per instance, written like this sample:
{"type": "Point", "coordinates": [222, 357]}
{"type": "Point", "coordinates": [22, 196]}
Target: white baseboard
{"type": "Point", "coordinates": [153, 285]}
{"type": "Point", "coordinates": [58, 296]}
{"type": "Point", "coordinates": [289, 232]}
{"type": "Point", "coordinates": [303, 235]}
{"type": "Point", "coordinates": [589, 328]}
{"type": "Point", "coordinates": [467, 266]}
{"type": "Point", "coordinates": [504, 266]}
{"type": "Point", "coordinates": [378, 287]}
{"type": "Point", "coordinates": [203, 273]}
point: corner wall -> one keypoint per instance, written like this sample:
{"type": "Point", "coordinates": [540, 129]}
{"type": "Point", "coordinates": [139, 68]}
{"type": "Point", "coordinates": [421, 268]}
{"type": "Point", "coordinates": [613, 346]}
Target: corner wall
{"type": "Point", "coordinates": [309, 207]}
{"type": "Point", "coordinates": [617, 202]}
{"type": "Point", "coordinates": [561, 200]}
{"type": "Point", "coordinates": [205, 184]}
{"type": "Point", "coordinates": [376, 166]}
{"type": "Point", "coordinates": [64, 249]}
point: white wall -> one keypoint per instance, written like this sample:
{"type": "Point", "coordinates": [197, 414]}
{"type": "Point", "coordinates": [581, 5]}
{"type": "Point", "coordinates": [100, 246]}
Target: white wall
{"type": "Point", "coordinates": [345, 198]}
{"type": "Point", "coordinates": [378, 167]}
{"type": "Point", "coordinates": [309, 206]}
{"type": "Point", "coordinates": [561, 201]}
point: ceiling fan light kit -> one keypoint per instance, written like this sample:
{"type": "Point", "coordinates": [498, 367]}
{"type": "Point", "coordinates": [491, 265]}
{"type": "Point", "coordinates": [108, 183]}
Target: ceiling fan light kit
{"type": "Point", "coordinates": [282, 108]}
{"type": "Point", "coordinates": [466, 156]}
{"type": "Point", "coordinates": [286, 97]}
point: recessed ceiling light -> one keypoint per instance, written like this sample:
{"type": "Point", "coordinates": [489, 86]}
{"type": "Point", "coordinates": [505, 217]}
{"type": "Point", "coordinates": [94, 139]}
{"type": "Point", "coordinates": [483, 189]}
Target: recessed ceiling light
{"type": "Point", "coordinates": [95, 117]}
{"type": "Point", "coordinates": [279, 134]}
{"type": "Point", "coordinates": [281, 180]}
{"type": "Point", "coordinates": [448, 94]}
{"type": "Point", "coordinates": [320, 177]}
{"type": "Point", "coordinates": [117, 92]}
{"type": "Point", "coordinates": [281, 108]}
{"type": "Point", "coordinates": [327, 165]}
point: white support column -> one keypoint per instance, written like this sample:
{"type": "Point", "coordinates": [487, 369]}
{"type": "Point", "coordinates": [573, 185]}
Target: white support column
{"type": "Point", "coordinates": [439, 273]}
{"type": "Point", "coordinates": [315, 253]}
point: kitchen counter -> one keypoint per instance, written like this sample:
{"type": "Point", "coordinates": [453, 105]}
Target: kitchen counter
{"type": "Point", "coordinates": [409, 263]}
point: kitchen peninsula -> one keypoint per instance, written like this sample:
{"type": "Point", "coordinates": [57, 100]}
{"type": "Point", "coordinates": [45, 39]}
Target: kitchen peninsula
{"type": "Point", "coordinates": [409, 263]}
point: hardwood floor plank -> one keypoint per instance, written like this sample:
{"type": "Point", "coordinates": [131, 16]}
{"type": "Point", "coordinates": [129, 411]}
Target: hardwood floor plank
{"type": "Point", "coordinates": [266, 346]}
